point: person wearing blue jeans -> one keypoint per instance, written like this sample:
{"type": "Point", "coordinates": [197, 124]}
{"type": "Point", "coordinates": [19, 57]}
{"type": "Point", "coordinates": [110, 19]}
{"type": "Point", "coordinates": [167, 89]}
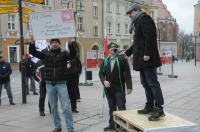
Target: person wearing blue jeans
{"type": "Point", "coordinates": [32, 79]}
{"type": "Point", "coordinates": [60, 91]}
{"type": "Point", "coordinates": [55, 63]}
{"type": "Point", "coordinates": [5, 72]}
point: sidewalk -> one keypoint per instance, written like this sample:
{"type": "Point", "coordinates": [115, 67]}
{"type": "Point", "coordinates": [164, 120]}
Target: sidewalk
{"type": "Point", "coordinates": [182, 98]}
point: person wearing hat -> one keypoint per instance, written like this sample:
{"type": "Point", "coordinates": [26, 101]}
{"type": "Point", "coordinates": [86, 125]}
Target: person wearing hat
{"type": "Point", "coordinates": [146, 59]}
{"type": "Point", "coordinates": [55, 62]}
{"type": "Point", "coordinates": [114, 73]}
{"type": "Point", "coordinates": [5, 72]}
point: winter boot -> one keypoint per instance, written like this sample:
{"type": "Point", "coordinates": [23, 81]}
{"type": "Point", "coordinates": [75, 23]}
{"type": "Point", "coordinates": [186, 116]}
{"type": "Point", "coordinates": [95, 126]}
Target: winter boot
{"type": "Point", "coordinates": [158, 112]}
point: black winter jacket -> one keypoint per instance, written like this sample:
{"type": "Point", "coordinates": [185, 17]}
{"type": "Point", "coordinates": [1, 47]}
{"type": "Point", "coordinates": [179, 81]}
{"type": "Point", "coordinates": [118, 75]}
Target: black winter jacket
{"type": "Point", "coordinates": [5, 72]}
{"type": "Point", "coordinates": [75, 69]}
{"type": "Point", "coordinates": [145, 43]}
{"type": "Point", "coordinates": [55, 62]}
{"type": "Point", "coordinates": [29, 65]}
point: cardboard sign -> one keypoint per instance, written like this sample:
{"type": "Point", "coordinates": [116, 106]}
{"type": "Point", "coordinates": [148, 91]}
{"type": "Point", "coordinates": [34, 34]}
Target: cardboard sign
{"type": "Point", "coordinates": [55, 24]}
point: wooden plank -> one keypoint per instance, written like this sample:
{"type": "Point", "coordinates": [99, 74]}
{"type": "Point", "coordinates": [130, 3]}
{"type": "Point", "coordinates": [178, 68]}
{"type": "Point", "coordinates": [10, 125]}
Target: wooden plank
{"type": "Point", "coordinates": [141, 121]}
{"type": "Point", "coordinates": [123, 125]}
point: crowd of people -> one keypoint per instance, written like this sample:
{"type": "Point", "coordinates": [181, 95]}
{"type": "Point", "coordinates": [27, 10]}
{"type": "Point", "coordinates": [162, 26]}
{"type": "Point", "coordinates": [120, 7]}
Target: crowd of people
{"type": "Point", "coordinates": [58, 71]}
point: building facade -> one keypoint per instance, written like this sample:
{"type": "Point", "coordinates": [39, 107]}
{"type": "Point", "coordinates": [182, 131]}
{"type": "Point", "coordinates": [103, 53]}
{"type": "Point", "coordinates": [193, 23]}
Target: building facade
{"type": "Point", "coordinates": [197, 29]}
{"type": "Point", "coordinates": [167, 28]}
{"type": "Point", "coordinates": [94, 19]}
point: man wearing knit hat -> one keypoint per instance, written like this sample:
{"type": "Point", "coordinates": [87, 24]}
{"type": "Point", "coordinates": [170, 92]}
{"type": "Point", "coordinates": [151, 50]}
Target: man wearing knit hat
{"type": "Point", "coordinates": [55, 62]}
{"type": "Point", "coordinates": [146, 59]}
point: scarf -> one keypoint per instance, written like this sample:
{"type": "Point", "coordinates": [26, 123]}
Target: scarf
{"type": "Point", "coordinates": [133, 21]}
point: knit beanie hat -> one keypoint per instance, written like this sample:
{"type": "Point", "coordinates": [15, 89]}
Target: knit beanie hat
{"type": "Point", "coordinates": [55, 39]}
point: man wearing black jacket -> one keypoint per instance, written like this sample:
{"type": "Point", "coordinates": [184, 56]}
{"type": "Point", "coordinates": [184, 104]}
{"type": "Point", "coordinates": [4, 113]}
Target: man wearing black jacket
{"type": "Point", "coordinates": [146, 59]}
{"type": "Point", "coordinates": [114, 74]}
{"type": "Point", "coordinates": [55, 62]}
{"type": "Point", "coordinates": [5, 72]}
{"type": "Point", "coordinates": [74, 69]}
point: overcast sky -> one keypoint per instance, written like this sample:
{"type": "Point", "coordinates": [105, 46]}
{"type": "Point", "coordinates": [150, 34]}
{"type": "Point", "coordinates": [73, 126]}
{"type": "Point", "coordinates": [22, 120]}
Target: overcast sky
{"type": "Point", "coordinates": [183, 11]}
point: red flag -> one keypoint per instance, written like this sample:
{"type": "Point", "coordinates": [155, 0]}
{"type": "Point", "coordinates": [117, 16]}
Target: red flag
{"type": "Point", "coordinates": [106, 52]}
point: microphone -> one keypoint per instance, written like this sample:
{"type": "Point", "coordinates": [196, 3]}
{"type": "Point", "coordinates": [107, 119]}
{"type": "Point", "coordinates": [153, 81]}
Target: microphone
{"type": "Point", "coordinates": [119, 52]}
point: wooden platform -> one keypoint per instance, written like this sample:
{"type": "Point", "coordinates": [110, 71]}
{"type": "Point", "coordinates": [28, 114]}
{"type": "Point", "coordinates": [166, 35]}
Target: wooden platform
{"type": "Point", "coordinates": [131, 121]}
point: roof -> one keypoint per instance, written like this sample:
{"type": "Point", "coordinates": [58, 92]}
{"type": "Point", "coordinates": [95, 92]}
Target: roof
{"type": "Point", "coordinates": [162, 11]}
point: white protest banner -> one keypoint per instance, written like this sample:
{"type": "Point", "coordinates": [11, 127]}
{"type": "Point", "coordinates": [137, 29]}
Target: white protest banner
{"type": "Point", "coordinates": [40, 45]}
{"type": "Point", "coordinates": [55, 24]}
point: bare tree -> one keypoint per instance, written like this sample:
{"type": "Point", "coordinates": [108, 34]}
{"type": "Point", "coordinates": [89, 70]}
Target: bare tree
{"type": "Point", "coordinates": [185, 44]}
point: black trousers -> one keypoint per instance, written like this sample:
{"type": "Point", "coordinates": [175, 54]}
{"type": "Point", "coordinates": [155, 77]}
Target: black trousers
{"type": "Point", "coordinates": [72, 86]}
{"type": "Point", "coordinates": [116, 100]}
{"type": "Point", "coordinates": [42, 97]}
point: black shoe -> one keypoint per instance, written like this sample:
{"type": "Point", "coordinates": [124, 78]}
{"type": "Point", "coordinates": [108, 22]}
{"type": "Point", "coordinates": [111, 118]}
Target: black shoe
{"type": "Point", "coordinates": [75, 111]}
{"type": "Point", "coordinates": [12, 103]}
{"type": "Point", "coordinates": [78, 100]}
{"type": "Point", "coordinates": [158, 113]}
{"type": "Point", "coordinates": [146, 110]}
{"type": "Point", "coordinates": [42, 114]}
{"type": "Point", "coordinates": [109, 128]}
{"type": "Point", "coordinates": [35, 93]}
{"type": "Point", "coordinates": [57, 130]}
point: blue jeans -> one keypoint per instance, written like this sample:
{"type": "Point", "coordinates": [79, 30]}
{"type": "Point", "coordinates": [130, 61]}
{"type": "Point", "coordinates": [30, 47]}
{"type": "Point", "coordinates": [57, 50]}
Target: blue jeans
{"type": "Point", "coordinates": [54, 92]}
{"type": "Point", "coordinates": [115, 100]}
{"type": "Point", "coordinates": [32, 84]}
{"type": "Point", "coordinates": [153, 92]}
{"type": "Point", "coordinates": [8, 90]}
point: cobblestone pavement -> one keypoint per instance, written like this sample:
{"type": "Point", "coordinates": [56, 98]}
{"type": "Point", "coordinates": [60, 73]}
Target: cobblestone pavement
{"type": "Point", "coordinates": [182, 98]}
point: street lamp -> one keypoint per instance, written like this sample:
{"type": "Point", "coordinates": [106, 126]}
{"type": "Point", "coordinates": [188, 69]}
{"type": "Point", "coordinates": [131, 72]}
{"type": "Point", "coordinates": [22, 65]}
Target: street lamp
{"type": "Point", "coordinates": [75, 13]}
{"type": "Point", "coordinates": [159, 40]}
{"type": "Point", "coordinates": [195, 35]}
{"type": "Point", "coordinates": [22, 54]}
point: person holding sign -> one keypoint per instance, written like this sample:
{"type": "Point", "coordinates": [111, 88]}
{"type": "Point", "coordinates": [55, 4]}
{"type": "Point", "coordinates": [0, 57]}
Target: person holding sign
{"type": "Point", "coordinates": [55, 62]}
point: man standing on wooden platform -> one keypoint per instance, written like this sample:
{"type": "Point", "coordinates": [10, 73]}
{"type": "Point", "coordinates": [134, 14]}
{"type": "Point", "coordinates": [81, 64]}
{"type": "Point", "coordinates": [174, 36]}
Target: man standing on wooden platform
{"type": "Point", "coordinates": [146, 59]}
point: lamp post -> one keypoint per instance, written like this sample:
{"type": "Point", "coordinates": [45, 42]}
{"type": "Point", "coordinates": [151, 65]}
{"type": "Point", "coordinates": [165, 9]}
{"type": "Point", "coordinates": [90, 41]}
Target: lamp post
{"type": "Point", "coordinates": [195, 35]}
{"type": "Point", "coordinates": [159, 46]}
{"type": "Point", "coordinates": [75, 13]}
{"type": "Point", "coordinates": [22, 54]}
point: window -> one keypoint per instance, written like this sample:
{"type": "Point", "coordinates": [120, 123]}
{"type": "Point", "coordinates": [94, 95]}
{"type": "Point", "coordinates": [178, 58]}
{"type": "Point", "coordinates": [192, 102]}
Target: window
{"type": "Point", "coordinates": [126, 28]}
{"type": "Point", "coordinates": [117, 9]}
{"type": "Point", "coordinates": [46, 2]}
{"type": "Point", "coordinates": [109, 28]}
{"type": "Point", "coordinates": [95, 31]}
{"type": "Point", "coordinates": [64, 0]}
{"type": "Point", "coordinates": [108, 7]}
{"type": "Point", "coordinates": [95, 11]}
{"type": "Point", "coordinates": [118, 28]}
{"type": "Point", "coordinates": [80, 23]}
{"type": "Point", "coordinates": [13, 54]}
{"type": "Point", "coordinates": [151, 14]}
{"type": "Point", "coordinates": [11, 22]}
